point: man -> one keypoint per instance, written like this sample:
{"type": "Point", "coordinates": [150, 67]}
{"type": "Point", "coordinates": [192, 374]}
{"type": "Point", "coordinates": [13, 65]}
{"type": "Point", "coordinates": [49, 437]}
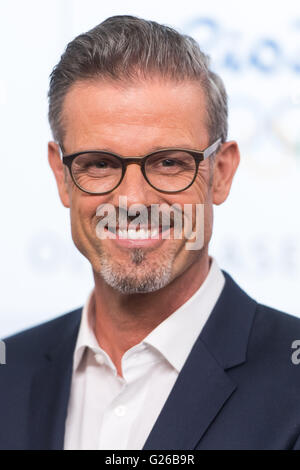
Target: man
{"type": "Point", "coordinates": [167, 352]}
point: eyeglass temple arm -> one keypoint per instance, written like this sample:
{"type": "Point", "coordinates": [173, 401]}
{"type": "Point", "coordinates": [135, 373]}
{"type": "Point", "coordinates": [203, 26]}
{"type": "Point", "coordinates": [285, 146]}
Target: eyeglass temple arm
{"type": "Point", "coordinates": [211, 149]}
{"type": "Point", "coordinates": [61, 149]}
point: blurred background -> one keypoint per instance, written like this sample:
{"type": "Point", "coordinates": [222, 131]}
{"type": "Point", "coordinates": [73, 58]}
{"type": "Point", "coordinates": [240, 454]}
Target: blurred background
{"type": "Point", "coordinates": [254, 46]}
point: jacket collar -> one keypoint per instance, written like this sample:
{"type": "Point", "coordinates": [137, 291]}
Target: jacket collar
{"type": "Point", "coordinates": [227, 331]}
{"type": "Point", "coordinates": [50, 388]}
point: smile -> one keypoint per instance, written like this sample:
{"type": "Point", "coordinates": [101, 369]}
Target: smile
{"type": "Point", "coordinates": [139, 233]}
{"type": "Point", "coordinates": [141, 237]}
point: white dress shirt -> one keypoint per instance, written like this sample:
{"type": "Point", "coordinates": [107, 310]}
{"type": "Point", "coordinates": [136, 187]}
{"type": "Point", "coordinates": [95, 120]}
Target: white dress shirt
{"type": "Point", "coordinates": [110, 412]}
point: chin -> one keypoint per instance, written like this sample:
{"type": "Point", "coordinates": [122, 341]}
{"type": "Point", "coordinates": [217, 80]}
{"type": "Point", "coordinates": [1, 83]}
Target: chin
{"type": "Point", "coordinates": [138, 275]}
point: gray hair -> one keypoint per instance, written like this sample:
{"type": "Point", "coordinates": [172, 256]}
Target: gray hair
{"type": "Point", "coordinates": [127, 48]}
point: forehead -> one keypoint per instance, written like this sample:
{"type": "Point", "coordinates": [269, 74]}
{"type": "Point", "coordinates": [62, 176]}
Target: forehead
{"type": "Point", "coordinates": [148, 113]}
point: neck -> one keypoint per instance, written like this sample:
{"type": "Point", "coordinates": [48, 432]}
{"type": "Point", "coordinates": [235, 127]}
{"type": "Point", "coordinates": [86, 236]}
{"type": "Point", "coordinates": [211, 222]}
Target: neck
{"type": "Point", "coordinates": [122, 321]}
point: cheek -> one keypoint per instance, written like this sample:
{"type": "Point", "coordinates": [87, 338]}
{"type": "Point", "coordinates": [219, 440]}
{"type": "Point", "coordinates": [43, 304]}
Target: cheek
{"type": "Point", "coordinates": [201, 185]}
{"type": "Point", "coordinates": [83, 213]}
{"type": "Point", "coordinates": [198, 193]}
{"type": "Point", "coordinates": [202, 195]}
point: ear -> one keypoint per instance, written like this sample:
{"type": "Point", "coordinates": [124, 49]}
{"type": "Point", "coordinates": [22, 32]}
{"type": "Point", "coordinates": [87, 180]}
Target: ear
{"type": "Point", "coordinates": [225, 166]}
{"type": "Point", "coordinates": [59, 171]}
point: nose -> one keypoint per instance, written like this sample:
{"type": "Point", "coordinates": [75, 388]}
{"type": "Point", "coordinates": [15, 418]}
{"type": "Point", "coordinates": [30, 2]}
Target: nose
{"type": "Point", "coordinates": [135, 187]}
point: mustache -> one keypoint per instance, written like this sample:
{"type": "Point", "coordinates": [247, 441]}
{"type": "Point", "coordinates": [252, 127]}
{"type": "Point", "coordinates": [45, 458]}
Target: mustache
{"type": "Point", "coordinates": [147, 215]}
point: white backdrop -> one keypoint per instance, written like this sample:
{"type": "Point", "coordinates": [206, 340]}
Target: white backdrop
{"type": "Point", "coordinates": [255, 46]}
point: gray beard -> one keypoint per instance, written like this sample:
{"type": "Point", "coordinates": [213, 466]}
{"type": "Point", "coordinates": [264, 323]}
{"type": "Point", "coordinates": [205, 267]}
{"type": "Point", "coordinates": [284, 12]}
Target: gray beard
{"type": "Point", "coordinates": [137, 277]}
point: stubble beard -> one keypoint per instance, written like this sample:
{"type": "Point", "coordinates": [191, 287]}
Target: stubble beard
{"type": "Point", "coordinates": [144, 272]}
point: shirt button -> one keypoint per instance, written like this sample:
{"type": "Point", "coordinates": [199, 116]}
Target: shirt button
{"type": "Point", "coordinates": [120, 410]}
{"type": "Point", "coordinates": [100, 359]}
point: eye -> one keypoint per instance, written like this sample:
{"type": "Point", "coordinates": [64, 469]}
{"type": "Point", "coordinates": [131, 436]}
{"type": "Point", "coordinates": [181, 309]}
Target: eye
{"type": "Point", "coordinates": [169, 162]}
{"type": "Point", "coordinates": [97, 164]}
{"type": "Point", "coordinates": [172, 161]}
{"type": "Point", "coordinates": [166, 162]}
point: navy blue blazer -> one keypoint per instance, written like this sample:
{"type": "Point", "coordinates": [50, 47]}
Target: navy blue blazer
{"type": "Point", "coordinates": [238, 389]}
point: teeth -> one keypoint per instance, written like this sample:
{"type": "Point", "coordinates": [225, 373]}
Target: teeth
{"type": "Point", "coordinates": [154, 233]}
{"type": "Point", "coordinates": [133, 234]}
{"type": "Point", "coordinates": [138, 235]}
{"type": "Point", "coordinates": [122, 233]}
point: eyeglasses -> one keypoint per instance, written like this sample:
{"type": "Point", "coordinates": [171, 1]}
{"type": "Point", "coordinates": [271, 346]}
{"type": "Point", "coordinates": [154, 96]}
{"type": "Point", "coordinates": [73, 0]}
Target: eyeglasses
{"type": "Point", "coordinates": [169, 170]}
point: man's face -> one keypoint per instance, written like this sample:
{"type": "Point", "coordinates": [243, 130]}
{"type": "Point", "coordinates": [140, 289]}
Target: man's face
{"type": "Point", "coordinates": [134, 120]}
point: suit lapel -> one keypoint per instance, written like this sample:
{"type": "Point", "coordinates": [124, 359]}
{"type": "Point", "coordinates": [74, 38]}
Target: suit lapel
{"type": "Point", "coordinates": [200, 391]}
{"type": "Point", "coordinates": [203, 386]}
{"type": "Point", "coordinates": [50, 390]}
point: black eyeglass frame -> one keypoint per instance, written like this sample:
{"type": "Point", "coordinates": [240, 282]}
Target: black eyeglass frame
{"type": "Point", "coordinates": [198, 155]}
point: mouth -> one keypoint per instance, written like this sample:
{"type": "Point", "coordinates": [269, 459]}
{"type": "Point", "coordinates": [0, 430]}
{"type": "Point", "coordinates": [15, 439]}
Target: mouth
{"type": "Point", "coordinates": [139, 237]}
{"type": "Point", "coordinates": [138, 232]}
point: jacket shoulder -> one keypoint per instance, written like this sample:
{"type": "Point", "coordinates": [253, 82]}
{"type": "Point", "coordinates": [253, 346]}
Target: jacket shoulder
{"type": "Point", "coordinates": [276, 324]}
{"type": "Point", "coordinates": [272, 342]}
{"type": "Point", "coordinates": [28, 344]}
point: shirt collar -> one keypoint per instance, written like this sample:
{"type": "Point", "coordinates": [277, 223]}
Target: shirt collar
{"type": "Point", "coordinates": [175, 336]}
{"type": "Point", "coordinates": [86, 336]}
